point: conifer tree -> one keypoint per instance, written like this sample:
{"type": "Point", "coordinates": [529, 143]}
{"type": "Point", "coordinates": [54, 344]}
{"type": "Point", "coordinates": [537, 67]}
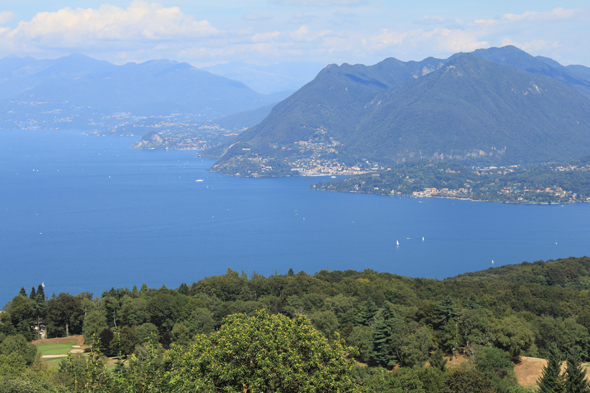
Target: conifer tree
{"type": "Point", "coordinates": [446, 310]}
{"type": "Point", "coordinates": [575, 375]}
{"type": "Point", "coordinates": [450, 336]}
{"type": "Point", "coordinates": [183, 289]}
{"type": "Point", "coordinates": [32, 295]}
{"type": "Point", "coordinates": [437, 360]}
{"type": "Point", "coordinates": [365, 313]}
{"type": "Point", "coordinates": [551, 380]}
{"type": "Point", "coordinates": [23, 292]}
{"type": "Point", "coordinates": [381, 350]}
{"type": "Point", "coordinates": [41, 291]}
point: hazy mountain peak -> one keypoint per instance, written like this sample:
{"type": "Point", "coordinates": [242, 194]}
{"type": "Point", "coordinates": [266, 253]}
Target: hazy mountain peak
{"type": "Point", "coordinates": [152, 88]}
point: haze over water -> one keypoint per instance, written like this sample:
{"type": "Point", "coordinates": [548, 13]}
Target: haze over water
{"type": "Point", "coordinates": [86, 213]}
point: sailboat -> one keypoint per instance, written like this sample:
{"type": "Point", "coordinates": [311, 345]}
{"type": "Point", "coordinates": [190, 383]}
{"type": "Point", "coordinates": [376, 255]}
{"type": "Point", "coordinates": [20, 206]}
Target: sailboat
{"type": "Point", "coordinates": [422, 238]}
{"type": "Point", "coordinates": [397, 241]}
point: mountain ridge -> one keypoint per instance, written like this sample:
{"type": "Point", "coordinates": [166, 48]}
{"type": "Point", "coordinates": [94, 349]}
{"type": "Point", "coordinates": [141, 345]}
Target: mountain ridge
{"type": "Point", "coordinates": [511, 108]}
{"type": "Point", "coordinates": [83, 92]}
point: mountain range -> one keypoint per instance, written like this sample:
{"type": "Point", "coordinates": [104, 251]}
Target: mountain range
{"type": "Point", "coordinates": [498, 104]}
{"type": "Point", "coordinates": [78, 91]}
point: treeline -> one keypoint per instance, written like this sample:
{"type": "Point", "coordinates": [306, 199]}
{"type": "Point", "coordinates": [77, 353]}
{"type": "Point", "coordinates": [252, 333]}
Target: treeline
{"type": "Point", "coordinates": [572, 273]}
{"type": "Point", "coordinates": [395, 323]}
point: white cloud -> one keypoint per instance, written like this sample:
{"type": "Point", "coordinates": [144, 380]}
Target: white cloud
{"type": "Point", "coordinates": [484, 23]}
{"type": "Point", "coordinates": [303, 34]}
{"type": "Point", "coordinates": [437, 40]}
{"type": "Point", "coordinates": [558, 13]}
{"type": "Point", "coordinates": [386, 38]}
{"type": "Point", "coordinates": [430, 20]}
{"type": "Point", "coordinates": [531, 46]}
{"type": "Point", "coordinates": [140, 21]}
{"type": "Point", "coordinates": [454, 40]}
{"type": "Point", "coordinates": [322, 3]}
{"type": "Point", "coordinates": [265, 37]}
{"type": "Point", "coordinates": [145, 30]}
{"type": "Point", "coordinates": [534, 18]}
{"type": "Point", "coordinates": [6, 16]}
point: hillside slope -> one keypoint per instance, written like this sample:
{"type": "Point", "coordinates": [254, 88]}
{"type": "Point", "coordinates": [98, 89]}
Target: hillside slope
{"type": "Point", "coordinates": [473, 108]}
{"type": "Point", "coordinates": [464, 108]}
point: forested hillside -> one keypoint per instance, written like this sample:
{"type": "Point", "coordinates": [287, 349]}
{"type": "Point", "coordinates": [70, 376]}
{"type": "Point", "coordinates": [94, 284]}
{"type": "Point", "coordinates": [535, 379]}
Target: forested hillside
{"type": "Point", "coordinates": [179, 339]}
{"type": "Point", "coordinates": [498, 105]}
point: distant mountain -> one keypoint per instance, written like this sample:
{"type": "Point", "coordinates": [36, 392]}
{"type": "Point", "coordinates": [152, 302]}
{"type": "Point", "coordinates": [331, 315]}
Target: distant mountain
{"type": "Point", "coordinates": [271, 78]}
{"type": "Point", "coordinates": [334, 100]}
{"type": "Point", "coordinates": [465, 107]}
{"type": "Point", "coordinates": [516, 58]}
{"type": "Point", "coordinates": [473, 108]}
{"type": "Point", "coordinates": [78, 86]}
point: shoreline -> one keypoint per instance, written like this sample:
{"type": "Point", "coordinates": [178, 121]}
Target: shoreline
{"type": "Point", "coordinates": [455, 198]}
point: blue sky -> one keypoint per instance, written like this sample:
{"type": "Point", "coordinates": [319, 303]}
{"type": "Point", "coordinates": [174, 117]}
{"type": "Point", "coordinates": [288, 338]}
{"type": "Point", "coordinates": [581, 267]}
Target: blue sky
{"type": "Point", "coordinates": [271, 31]}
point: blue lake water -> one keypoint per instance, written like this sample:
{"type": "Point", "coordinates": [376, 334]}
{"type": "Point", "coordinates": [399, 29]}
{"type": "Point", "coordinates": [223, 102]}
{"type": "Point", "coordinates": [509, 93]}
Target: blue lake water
{"type": "Point", "coordinates": [86, 213]}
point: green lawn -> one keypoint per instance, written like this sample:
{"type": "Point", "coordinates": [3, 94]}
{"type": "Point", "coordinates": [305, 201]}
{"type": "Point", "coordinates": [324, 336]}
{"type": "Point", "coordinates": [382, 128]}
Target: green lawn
{"type": "Point", "coordinates": [51, 363]}
{"type": "Point", "coordinates": [54, 349]}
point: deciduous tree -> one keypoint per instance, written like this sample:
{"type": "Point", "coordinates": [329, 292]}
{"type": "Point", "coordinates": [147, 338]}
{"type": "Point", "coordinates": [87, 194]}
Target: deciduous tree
{"type": "Point", "coordinates": [261, 353]}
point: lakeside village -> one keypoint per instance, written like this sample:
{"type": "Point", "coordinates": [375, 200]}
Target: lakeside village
{"type": "Point", "coordinates": [516, 189]}
{"type": "Point", "coordinates": [311, 160]}
{"type": "Point", "coordinates": [510, 184]}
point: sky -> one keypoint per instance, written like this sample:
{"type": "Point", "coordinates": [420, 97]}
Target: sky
{"type": "Point", "coordinates": [205, 33]}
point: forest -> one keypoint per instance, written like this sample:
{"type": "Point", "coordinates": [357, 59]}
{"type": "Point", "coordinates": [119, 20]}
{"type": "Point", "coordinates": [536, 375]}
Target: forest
{"type": "Point", "coordinates": [348, 331]}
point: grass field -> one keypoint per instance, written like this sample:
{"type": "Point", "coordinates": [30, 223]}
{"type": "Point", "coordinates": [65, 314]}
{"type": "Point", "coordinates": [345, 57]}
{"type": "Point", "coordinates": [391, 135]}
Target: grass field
{"type": "Point", "coordinates": [54, 349]}
{"type": "Point", "coordinates": [51, 363]}
{"type": "Point", "coordinates": [57, 346]}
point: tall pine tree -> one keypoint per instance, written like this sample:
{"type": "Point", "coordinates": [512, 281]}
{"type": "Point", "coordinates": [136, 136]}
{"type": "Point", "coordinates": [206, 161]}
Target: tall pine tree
{"type": "Point", "coordinates": [575, 375]}
{"type": "Point", "coordinates": [446, 310]}
{"type": "Point", "coordinates": [365, 313]}
{"type": "Point", "coordinates": [437, 360]}
{"type": "Point", "coordinates": [183, 289]}
{"type": "Point", "coordinates": [551, 380]}
{"type": "Point", "coordinates": [40, 291]}
{"type": "Point", "coordinates": [381, 350]}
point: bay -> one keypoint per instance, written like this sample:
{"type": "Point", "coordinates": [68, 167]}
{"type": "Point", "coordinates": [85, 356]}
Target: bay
{"type": "Point", "coordinates": [84, 213]}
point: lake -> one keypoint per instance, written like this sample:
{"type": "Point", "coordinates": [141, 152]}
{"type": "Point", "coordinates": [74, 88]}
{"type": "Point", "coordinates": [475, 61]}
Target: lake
{"type": "Point", "coordinates": [84, 213]}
